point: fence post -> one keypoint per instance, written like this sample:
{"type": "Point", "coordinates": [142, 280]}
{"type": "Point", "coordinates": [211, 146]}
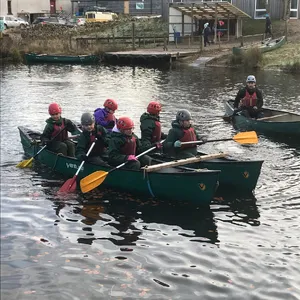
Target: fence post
{"type": "Point", "coordinates": [201, 43]}
{"type": "Point", "coordinates": [242, 40]}
{"type": "Point", "coordinates": [133, 35]}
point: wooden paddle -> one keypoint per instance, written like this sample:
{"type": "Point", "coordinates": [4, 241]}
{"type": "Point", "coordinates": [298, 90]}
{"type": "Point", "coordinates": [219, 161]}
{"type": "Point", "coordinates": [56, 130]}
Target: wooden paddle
{"type": "Point", "coordinates": [28, 162]}
{"type": "Point", "coordinates": [70, 185]}
{"type": "Point", "coordinates": [248, 137]}
{"type": "Point", "coordinates": [182, 162]}
{"type": "Point", "coordinates": [93, 180]}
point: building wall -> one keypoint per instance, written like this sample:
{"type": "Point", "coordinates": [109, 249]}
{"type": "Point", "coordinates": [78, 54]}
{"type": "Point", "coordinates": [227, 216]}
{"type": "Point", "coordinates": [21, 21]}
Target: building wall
{"type": "Point", "coordinates": [33, 6]}
{"type": "Point", "coordinates": [136, 7]}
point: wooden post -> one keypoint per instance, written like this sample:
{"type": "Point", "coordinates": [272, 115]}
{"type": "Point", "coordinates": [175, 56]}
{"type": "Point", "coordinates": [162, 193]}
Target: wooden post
{"type": "Point", "coordinates": [219, 40]}
{"type": "Point", "coordinates": [242, 40]}
{"type": "Point", "coordinates": [201, 43]}
{"type": "Point", "coordinates": [192, 23]}
{"type": "Point", "coordinates": [126, 7]}
{"type": "Point", "coordinates": [182, 24]}
{"type": "Point", "coordinates": [133, 35]}
{"type": "Point", "coordinates": [286, 29]}
{"type": "Point", "coordinates": [216, 22]}
{"type": "Point", "coordinates": [228, 27]}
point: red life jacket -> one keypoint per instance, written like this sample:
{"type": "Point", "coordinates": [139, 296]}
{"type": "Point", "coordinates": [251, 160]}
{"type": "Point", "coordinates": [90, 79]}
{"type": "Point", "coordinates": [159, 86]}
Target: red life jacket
{"type": "Point", "coordinates": [189, 135]}
{"type": "Point", "coordinates": [249, 100]}
{"type": "Point", "coordinates": [156, 133]}
{"type": "Point", "coordinates": [99, 146]}
{"type": "Point", "coordinates": [110, 117]}
{"type": "Point", "coordinates": [56, 129]}
{"type": "Point", "coordinates": [129, 147]}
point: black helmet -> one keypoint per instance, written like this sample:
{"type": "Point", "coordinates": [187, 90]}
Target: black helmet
{"type": "Point", "coordinates": [183, 115]}
{"type": "Point", "coordinates": [87, 119]}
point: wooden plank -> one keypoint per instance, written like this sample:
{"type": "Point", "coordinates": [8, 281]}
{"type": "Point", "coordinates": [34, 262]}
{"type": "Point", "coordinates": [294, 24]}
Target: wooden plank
{"type": "Point", "coordinates": [272, 117]}
{"type": "Point", "coordinates": [182, 162]}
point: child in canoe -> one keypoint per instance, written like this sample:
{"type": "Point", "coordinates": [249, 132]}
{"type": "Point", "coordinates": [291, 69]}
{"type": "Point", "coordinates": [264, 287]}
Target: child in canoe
{"type": "Point", "coordinates": [55, 134]}
{"type": "Point", "coordinates": [182, 131]}
{"type": "Point", "coordinates": [124, 145]}
{"type": "Point", "coordinates": [151, 134]}
{"type": "Point", "coordinates": [92, 133]}
{"type": "Point", "coordinates": [106, 116]}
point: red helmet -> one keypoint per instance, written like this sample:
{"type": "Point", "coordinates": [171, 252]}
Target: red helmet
{"type": "Point", "coordinates": [54, 108]}
{"type": "Point", "coordinates": [125, 123]}
{"type": "Point", "coordinates": [111, 104]}
{"type": "Point", "coordinates": [154, 108]}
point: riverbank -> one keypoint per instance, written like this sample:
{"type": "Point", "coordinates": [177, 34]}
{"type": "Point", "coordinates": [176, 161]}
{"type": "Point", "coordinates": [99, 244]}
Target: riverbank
{"type": "Point", "coordinates": [286, 58]}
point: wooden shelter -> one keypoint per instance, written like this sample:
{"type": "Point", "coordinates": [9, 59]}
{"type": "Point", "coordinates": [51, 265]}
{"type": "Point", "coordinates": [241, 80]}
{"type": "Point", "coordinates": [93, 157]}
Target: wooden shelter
{"type": "Point", "coordinates": [183, 17]}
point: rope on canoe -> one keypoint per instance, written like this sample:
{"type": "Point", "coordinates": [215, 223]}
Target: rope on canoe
{"type": "Point", "coordinates": [58, 154]}
{"type": "Point", "coordinates": [146, 176]}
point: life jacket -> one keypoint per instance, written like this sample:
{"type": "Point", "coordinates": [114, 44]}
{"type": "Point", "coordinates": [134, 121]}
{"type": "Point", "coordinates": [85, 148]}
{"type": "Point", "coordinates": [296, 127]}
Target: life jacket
{"type": "Point", "coordinates": [156, 133]}
{"type": "Point", "coordinates": [129, 147]}
{"type": "Point", "coordinates": [56, 129]}
{"type": "Point", "coordinates": [249, 100]}
{"type": "Point", "coordinates": [99, 146]}
{"type": "Point", "coordinates": [189, 135]}
{"type": "Point", "coordinates": [110, 117]}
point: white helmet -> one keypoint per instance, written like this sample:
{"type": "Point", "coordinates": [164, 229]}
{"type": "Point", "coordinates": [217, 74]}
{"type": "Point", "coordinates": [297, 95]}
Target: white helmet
{"type": "Point", "coordinates": [251, 78]}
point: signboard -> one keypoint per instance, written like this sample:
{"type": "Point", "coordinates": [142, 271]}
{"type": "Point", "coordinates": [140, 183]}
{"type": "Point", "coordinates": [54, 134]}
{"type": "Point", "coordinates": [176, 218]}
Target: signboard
{"type": "Point", "coordinates": [139, 5]}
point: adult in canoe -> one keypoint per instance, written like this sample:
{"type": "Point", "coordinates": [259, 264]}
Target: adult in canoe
{"type": "Point", "coordinates": [106, 116]}
{"type": "Point", "coordinates": [182, 131]}
{"type": "Point", "coordinates": [249, 100]}
{"type": "Point", "coordinates": [151, 134]}
{"type": "Point", "coordinates": [92, 133]}
{"type": "Point", "coordinates": [55, 134]}
{"type": "Point", "coordinates": [124, 145]}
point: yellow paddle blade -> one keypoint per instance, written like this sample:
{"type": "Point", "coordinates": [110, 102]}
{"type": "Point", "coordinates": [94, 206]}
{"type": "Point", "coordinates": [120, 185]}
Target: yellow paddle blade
{"type": "Point", "coordinates": [248, 137]}
{"type": "Point", "coordinates": [93, 180]}
{"type": "Point", "coordinates": [25, 163]}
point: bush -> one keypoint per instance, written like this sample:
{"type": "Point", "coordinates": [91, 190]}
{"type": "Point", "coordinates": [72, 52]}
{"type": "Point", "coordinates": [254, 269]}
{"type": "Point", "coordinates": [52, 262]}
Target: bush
{"type": "Point", "coordinates": [293, 67]}
{"type": "Point", "coordinates": [252, 58]}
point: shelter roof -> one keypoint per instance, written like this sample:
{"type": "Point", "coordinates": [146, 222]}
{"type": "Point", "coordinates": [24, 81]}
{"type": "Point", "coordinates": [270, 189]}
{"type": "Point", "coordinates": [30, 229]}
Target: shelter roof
{"type": "Point", "coordinates": [208, 10]}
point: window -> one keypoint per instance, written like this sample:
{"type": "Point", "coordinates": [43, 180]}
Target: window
{"type": "Point", "coordinates": [260, 9]}
{"type": "Point", "coordinates": [294, 9]}
{"type": "Point", "coordinates": [9, 12]}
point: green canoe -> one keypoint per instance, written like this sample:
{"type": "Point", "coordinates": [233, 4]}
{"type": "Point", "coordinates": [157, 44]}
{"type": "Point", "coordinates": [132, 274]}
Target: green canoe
{"type": "Point", "coordinates": [33, 58]}
{"type": "Point", "coordinates": [276, 123]}
{"type": "Point", "coordinates": [236, 175]}
{"type": "Point", "coordinates": [264, 46]}
{"type": "Point", "coordinates": [170, 183]}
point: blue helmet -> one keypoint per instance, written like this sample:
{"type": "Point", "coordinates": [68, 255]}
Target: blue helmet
{"type": "Point", "coordinates": [251, 78]}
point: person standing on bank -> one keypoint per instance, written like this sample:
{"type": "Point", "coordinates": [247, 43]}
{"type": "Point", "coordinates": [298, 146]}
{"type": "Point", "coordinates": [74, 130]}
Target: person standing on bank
{"type": "Point", "coordinates": [249, 100]}
{"type": "Point", "coordinates": [206, 33]}
{"type": "Point", "coordinates": [268, 26]}
{"type": "Point", "coordinates": [92, 133]}
{"type": "Point", "coordinates": [124, 145]}
{"type": "Point", "coordinates": [182, 131]}
{"type": "Point", "coordinates": [151, 134]}
{"type": "Point", "coordinates": [55, 124]}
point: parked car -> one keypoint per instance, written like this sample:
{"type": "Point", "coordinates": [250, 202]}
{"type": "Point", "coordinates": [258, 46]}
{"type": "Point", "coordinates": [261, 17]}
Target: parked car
{"type": "Point", "coordinates": [49, 20]}
{"type": "Point", "coordinates": [76, 21]}
{"type": "Point", "coordinates": [13, 22]}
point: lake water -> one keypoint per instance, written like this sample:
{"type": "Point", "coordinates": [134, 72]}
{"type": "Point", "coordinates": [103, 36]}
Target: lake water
{"type": "Point", "coordinates": [111, 245]}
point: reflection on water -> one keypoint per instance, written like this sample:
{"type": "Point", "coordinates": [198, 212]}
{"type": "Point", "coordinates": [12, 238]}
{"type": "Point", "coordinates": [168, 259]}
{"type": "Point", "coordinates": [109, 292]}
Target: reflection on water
{"type": "Point", "coordinates": [110, 245]}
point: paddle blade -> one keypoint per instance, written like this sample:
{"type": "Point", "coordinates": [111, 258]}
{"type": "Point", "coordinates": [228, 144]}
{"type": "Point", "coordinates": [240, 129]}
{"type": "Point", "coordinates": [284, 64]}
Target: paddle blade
{"type": "Point", "coordinates": [248, 137]}
{"type": "Point", "coordinates": [69, 186]}
{"type": "Point", "coordinates": [25, 163]}
{"type": "Point", "coordinates": [93, 180]}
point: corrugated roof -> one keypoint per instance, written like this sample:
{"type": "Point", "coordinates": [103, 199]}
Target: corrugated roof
{"type": "Point", "coordinates": [207, 10]}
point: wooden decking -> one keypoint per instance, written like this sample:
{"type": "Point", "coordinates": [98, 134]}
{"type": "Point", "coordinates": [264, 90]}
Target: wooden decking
{"type": "Point", "coordinates": [148, 56]}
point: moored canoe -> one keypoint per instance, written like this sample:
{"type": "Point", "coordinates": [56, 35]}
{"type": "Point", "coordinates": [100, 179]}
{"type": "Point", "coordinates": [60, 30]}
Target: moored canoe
{"type": "Point", "coordinates": [32, 58]}
{"type": "Point", "coordinates": [171, 183]}
{"type": "Point", "coordinates": [264, 46]}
